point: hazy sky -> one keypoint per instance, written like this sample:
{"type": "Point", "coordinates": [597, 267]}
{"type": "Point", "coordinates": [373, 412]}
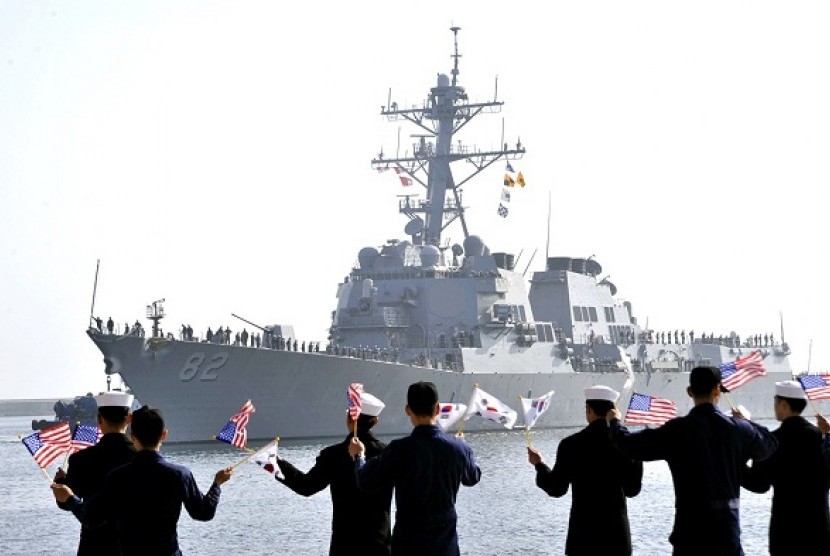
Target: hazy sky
{"type": "Point", "coordinates": [216, 154]}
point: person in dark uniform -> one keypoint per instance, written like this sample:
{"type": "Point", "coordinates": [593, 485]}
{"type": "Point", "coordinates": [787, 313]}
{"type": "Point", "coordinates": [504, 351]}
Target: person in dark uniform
{"type": "Point", "coordinates": [799, 473]}
{"type": "Point", "coordinates": [89, 467]}
{"type": "Point", "coordinates": [144, 498]}
{"type": "Point", "coordinates": [598, 501]}
{"type": "Point", "coordinates": [360, 520]}
{"type": "Point", "coordinates": [426, 469]}
{"type": "Point", "coordinates": [706, 452]}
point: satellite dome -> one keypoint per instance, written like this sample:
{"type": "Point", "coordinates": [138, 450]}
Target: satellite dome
{"type": "Point", "coordinates": [443, 80]}
{"type": "Point", "coordinates": [473, 246]}
{"type": "Point", "coordinates": [367, 257]}
{"type": "Point", "coordinates": [430, 255]}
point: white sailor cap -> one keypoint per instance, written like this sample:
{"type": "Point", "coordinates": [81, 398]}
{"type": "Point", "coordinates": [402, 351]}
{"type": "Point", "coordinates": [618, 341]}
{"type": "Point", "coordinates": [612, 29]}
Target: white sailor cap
{"type": "Point", "coordinates": [790, 389]}
{"type": "Point", "coordinates": [114, 399]}
{"type": "Point", "coordinates": [601, 392]}
{"type": "Point", "coordinates": [370, 405]}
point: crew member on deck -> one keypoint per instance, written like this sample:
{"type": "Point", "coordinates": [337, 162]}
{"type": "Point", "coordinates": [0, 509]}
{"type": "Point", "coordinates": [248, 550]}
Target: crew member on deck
{"type": "Point", "coordinates": [360, 520]}
{"type": "Point", "coordinates": [583, 460]}
{"type": "Point", "coordinates": [88, 468]}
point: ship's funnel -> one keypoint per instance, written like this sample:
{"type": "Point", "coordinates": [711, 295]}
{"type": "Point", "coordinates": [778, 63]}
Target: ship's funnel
{"type": "Point", "coordinates": [505, 260]}
{"type": "Point", "coordinates": [578, 265]}
{"type": "Point", "coordinates": [559, 263]}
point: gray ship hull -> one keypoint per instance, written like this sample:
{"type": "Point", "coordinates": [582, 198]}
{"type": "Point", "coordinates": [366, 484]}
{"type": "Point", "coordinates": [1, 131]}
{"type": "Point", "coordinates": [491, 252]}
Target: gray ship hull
{"type": "Point", "coordinates": [300, 395]}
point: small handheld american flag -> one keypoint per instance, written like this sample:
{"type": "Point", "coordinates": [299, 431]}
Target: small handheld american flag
{"type": "Point", "coordinates": [742, 370]}
{"type": "Point", "coordinates": [49, 444]}
{"type": "Point", "coordinates": [648, 410]}
{"type": "Point", "coordinates": [235, 431]}
{"type": "Point", "coordinates": [85, 436]}
{"type": "Point", "coordinates": [816, 387]}
{"type": "Point", "coordinates": [353, 398]}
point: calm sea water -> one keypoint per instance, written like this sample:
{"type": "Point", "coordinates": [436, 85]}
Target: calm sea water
{"type": "Point", "coordinates": [504, 514]}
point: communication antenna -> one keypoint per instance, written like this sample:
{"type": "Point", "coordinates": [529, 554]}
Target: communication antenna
{"type": "Point", "coordinates": [547, 240]}
{"type": "Point", "coordinates": [781, 318]}
{"type": "Point", "coordinates": [530, 261]}
{"type": "Point", "coordinates": [809, 355]}
{"type": "Point", "coordinates": [94, 289]}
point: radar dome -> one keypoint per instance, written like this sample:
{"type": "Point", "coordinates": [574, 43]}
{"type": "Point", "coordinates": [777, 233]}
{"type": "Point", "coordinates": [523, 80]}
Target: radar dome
{"type": "Point", "coordinates": [473, 246]}
{"type": "Point", "coordinates": [443, 80]}
{"type": "Point", "coordinates": [430, 255]}
{"type": "Point", "coordinates": [367, 257]}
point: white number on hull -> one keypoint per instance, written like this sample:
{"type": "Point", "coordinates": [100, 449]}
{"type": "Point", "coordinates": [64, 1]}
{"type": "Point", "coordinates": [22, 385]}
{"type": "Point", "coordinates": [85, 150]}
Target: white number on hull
{"type": "Point", "coordinates": [193, 367]}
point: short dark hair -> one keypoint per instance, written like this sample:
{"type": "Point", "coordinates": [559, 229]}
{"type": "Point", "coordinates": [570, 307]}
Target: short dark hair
{"type": "Point", "coordinates": [796, 405]}
{"type": "Point", "coordinates": [421, 398]}
{"type": "Point", "coordinates": [600, 407]}
{"type": "Point", "coordinates": [703, 379]}
{"type": "Point", "coordinates": [114, 415]}
{"type": "Point", "coordinates": [147, 426]}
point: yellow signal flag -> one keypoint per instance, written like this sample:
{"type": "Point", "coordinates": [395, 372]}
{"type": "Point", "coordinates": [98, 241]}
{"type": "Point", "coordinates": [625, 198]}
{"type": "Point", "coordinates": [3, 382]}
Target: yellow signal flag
{"type": "Point", "coordinates": [508, 181]}
{"type": "Point", "coordinates": [520, 179]}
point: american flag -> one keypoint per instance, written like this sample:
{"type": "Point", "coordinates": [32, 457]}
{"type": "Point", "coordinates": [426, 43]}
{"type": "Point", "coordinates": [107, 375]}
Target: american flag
{"type": "Point", "coordinates": [649, 410]}
{"type": "Point", "coordinates": [817, 387]}
{"type": "Point", "coordinates": [235, 432]}
{"type": "Point", "coordinates": [353, 398]}
{"type": "Point", "coordinates": [742, 370]}
{"type": "Point", "coordinates": [85, 436]}
{"type": "Point", "coordinates": [49, 444]}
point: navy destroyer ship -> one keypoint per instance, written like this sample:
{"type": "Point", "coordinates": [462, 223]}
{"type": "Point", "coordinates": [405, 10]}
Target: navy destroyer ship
{"type": "Point", "coordinates": [425, 307]}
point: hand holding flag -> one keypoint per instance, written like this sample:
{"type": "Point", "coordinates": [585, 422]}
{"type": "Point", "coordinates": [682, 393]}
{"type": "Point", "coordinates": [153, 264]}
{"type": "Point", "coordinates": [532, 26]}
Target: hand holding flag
{"type": "Point", "coordinates": [235, 431]}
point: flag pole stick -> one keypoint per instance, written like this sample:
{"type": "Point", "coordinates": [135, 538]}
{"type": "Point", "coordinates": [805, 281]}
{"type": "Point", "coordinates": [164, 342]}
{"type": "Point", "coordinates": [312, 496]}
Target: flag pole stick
{"type": "Point", "coordinates": [813, 405]}
{"type": "Point", "coordinates": [45, 474]}
{"type": "Point", "coordinates": [464, 417]}
{"type": "Point", "coordinates": [527, 429]}
{"type": "Point", "coordinates": [729, 400]}
{"type": "Point", "coordinates": [243, 448]}
{"type": "Point", "coordinates": [250, 455]}
{"type": "Point", "coordinates": [66, 456]}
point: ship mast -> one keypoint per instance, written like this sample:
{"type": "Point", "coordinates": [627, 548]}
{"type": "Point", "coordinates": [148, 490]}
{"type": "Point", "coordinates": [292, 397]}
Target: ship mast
{"type": "Point", "coordinates": [444, 113]}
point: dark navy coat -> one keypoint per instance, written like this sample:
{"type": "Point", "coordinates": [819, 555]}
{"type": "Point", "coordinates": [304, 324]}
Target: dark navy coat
{"type": "Point", "coordinates": [602, 478]}
{"type": "Point", "coordinates": [144, 498]}
{"type": "Point", "coordinates": [426, 469]}
{"type": "Point", "coordinates": [86, 474]}
{"type": "Point", "coordinates": [360, 521]}
{"type": "Point", "coordinates": [799, 473]}
{"type": "Point", "coordinates": [706, 452]}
